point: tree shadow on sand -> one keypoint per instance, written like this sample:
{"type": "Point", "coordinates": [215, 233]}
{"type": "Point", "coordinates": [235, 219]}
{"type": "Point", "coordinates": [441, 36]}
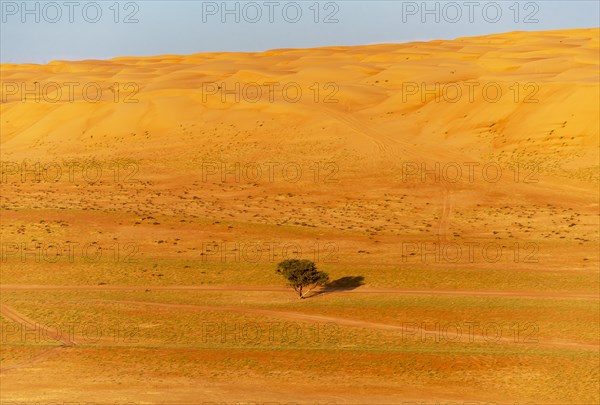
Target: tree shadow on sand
{"type": "Point", "coordinates": [341, 284]}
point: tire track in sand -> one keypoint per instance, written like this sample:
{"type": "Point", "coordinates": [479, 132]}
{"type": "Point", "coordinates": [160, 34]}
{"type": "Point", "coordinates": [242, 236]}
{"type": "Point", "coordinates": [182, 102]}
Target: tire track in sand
{"type": "Point", "coordinates": [17, 317]}
{"type": "Point", "coordinates": [298, 316]}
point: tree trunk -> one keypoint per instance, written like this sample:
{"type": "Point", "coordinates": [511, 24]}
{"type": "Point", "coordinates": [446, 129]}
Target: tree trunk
{"type": "Point", "coordinates": [300, 293]}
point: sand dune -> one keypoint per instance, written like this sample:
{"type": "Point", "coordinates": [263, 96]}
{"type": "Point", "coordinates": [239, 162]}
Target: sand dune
{"type": "Point", "coordinates": [548, 85]}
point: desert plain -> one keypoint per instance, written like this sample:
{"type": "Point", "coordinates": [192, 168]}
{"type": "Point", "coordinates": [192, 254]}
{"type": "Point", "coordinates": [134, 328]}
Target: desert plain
{"type": "Point", "coordinates": [449, 189]}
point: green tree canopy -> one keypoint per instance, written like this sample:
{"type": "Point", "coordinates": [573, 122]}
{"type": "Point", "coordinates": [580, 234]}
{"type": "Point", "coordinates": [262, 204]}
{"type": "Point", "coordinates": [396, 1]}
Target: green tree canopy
{"type": "Point", "coordinates": [302, 274]}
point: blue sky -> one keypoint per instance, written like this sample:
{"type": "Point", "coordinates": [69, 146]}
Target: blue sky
{"type": "Point", "coordinates": [42, 31]}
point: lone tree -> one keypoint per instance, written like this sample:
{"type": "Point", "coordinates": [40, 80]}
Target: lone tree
{"type": "Point", "coordinates": [301, 274]}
